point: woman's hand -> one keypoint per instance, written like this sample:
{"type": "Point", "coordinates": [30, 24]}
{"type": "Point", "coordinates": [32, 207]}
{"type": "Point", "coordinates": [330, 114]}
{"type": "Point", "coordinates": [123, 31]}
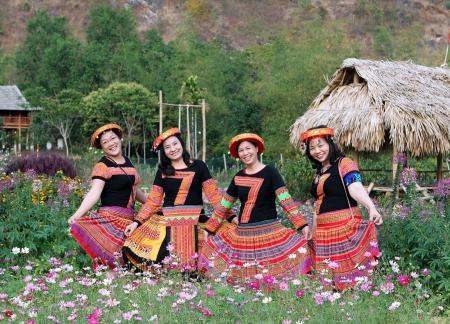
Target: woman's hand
{"type": "Point", "coordinates": [130, 228]}
{"type": "Point", "coordinates": [73, 219]}
{"type": "Point", "coordinates": [235, 220]}
{"type": "Point", "coordinates": [374, 216]}
{"type": "Point", "coordinates": [306, 233]}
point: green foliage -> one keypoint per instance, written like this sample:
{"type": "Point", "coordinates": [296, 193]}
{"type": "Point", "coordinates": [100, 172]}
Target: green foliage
{"type": "Point", "coordinates": [298, 175]}
{"type": "Point", "coordinates": [383, 42]}
{"type": "Point", "coordinates": [128, 104]}
{"type": "Point", "coordinates": [34, 212]}
{"type": "Point", "coordinates": [45, 35]}
{"type": "Point", "coordinates": [62, 112]}
{"type": "Point", "coordinates": [420, 233]}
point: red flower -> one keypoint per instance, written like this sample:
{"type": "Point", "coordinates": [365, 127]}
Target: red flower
{"type": "Point", "coordinates": [403, 280]}
{"type": "Point", "coordinates": [8, 313]}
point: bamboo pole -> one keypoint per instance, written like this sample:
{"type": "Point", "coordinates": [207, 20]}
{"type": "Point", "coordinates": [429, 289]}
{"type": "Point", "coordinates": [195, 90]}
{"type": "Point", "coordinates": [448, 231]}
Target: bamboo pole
{"type": "Point", "coordinates": [204, 130]}
{"type": "Point", "coordinates": [195, 135]}
{"type": "Point", "coordinates": [160, 111]}
{"type": "Point", "coordinates": [188, 131]}
{"type": "Point", "coordinates": [394, 164]}
{"type": "Point", "coordinates": [225, 163]}
{"type": "Point", "coordinates": [355, 156]}
{"type": "Point", "coordinates": [439, 173]}
{"type": "Point", "coordinates": [179, 117]}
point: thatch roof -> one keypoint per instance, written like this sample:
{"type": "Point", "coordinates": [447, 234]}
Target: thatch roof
{"type": "Point", "coordinates": [370, 102]}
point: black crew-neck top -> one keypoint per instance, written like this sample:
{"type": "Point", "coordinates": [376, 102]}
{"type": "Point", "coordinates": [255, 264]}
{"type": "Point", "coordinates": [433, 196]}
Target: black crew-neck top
{"type": "Point", "coordinates": [185, 186]}
{"type": "Point", "coordinates": [121, 182]}
{"type": "Point", "coordinates": [256, 193]}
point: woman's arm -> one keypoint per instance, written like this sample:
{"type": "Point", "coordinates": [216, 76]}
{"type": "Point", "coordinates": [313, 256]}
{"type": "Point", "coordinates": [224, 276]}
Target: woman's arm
{"type": "Point", "coordinates": [89, 200]}
{"type": "Point", "coordinates": [359, 193]}
{"type": "Point", "coordinates": [140, 196]}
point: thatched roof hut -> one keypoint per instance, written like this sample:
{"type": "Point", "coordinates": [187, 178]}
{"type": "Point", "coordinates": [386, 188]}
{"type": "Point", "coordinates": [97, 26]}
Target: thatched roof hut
{"type": "Point", "coordinates": [373, 103]}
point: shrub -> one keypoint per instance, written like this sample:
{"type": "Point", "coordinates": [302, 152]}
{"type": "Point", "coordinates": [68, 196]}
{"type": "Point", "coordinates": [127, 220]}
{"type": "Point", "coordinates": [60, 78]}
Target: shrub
{"type": "Point", "coordinates": [34, 211]}
{"type": "Point", "coordinates": [42, 163]}
{"type": "Point", "coordinates": [298, 175]}
{"type": "Point", "coordinates": [419, 231]}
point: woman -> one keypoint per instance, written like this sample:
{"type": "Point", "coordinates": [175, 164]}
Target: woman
{"type": "Point", "coordinates": [114, 182]}
{"type": "Point", "coordinates": [345, 244]}
{"type": "Point", "coordinates": [259, 244]}
{"type": "Point", "coordinates": [178, 185]}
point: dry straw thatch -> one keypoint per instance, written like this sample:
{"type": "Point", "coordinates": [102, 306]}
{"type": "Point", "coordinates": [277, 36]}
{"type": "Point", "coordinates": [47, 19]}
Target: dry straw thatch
{"type": "Point", "coordinates": [370, 102]}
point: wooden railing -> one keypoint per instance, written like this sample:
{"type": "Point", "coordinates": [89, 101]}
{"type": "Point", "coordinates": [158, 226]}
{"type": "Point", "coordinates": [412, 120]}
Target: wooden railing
{"type": "Point", "coordinates": [16, 121]}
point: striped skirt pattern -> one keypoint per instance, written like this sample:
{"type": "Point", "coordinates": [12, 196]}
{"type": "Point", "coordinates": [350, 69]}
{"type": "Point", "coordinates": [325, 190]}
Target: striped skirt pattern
{"type": "Point", "coordinates": [101, 234]}
{"type": "Point", "coordinates": [266, 248]}
{"type": "Point", "coordinates": [177, 226]}
{"type": "Point", "coordinates": [345, 246]}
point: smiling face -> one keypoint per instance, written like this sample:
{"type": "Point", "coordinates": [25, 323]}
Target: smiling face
{"type": "Point", "coordinates": [319, 149]}
{"type": "Point", "coordinates": [172, 148]}
{"type": "Point", "coordinates": [111, 144]}
{"type": "Point", "coordinates": [248, 152]}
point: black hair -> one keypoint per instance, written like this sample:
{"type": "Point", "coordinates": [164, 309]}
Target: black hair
{"type": "Point", "coordinates": [114, 130]}
{"type": "Point", "coordinates": [334, 152]}
{"type": "Point", "coordinates": [250, 141]}
{"type": "Point", "coordinates": [165, 165]}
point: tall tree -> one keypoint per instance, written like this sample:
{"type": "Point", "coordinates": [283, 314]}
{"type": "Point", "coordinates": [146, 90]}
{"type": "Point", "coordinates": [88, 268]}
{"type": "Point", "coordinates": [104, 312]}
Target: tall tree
{"type": "Point", "coordinates": [128, 104]}
{"type": "Point", "coordinates": [62, 112]}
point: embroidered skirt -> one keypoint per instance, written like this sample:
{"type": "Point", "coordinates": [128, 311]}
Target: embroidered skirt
{"type": "Point", "coordinates": [178, 226]}
{"type": "Point", "coordinates": [266, 248]}
{"type": "Point", "coordinates": [344, 247]}
{"type": "Point", "coordinates": [101, 234]}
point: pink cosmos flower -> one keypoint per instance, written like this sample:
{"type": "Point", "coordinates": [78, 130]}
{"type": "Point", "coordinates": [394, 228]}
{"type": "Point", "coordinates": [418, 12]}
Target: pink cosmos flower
{"type": "Point", "coordinates": [269, 280]}
{"type": "Point", "coordinates": [394, 306]}
{"type": "Point", "coordinates": [376, 293]}
{"type": "Point", "coordinates": [283, 286]}
{"type": "Point", "coordinates": [300, 293]}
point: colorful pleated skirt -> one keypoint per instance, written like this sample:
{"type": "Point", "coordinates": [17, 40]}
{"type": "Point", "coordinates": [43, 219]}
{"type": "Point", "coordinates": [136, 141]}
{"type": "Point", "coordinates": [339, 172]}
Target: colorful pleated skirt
{"type": "Point", "coordinates": [344, 247]}
{"type": "Point", "coordinates": [101, 234]}
{"type": "Point", "coordinates": [176, 233]}
{"type": "Point", "coordinates": [267, 248]}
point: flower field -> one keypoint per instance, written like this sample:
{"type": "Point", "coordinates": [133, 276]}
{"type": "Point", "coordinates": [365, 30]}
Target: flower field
{"type": "Point", "coordinates": [45, 277]}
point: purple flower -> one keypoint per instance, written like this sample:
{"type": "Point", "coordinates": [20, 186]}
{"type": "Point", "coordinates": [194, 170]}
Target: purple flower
{"type": "Point", "coordinates": [408, 176]}
{"type": "Point", "coordinates": [401, 158]}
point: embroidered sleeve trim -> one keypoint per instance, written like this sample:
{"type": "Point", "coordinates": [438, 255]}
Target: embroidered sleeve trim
{"type": "Point", "coordinates": [152, 205]}
{"type": "Point", "coordinates": [290, 207]}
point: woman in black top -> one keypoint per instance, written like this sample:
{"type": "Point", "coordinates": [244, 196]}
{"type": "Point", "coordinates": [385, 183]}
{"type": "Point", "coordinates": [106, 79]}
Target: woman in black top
{"type": "Point", "coordinates": [114, 181]}
{"type": "Point", "coordinates": [259, 244]}
{"type": "Point", "coordinates": [178, 187]}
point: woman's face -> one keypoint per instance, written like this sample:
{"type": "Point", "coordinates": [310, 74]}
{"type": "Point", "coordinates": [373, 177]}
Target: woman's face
{"type": "Point", "coordinates": [111, 144]}
{"type": "Point", "coordinates": [172, 148]}
{"type": "Point", "coordinates": [319, 149]}
{"type": "Point", "coordinates": [247, 152]}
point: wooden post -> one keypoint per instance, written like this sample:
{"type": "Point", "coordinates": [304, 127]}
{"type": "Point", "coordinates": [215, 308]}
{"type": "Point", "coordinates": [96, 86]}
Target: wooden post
{"type": "Point", "coordinates": [281, 158]}
{"type": "Point", "coordinates": [179, 117]}
{"type": "Point", "coordinates": [188, 130]}
{"type": "Point", "coordinates": [145, 144]}
{"type": "Point", "coordinates": [204, 130]}
{"type": "Point", "coordinates": [394, 164]}
{"type": "Point", "coordinates": [355, 78]}
{"type": "Point", "coordinates": [225, 163]}
{"type": "Point", "coordinates": [439, 172]}
{"type": "Point", "coordinates": [160, 111]}
{"type": "Point", "coordinates": [26, 139]}
{"type": "Point", "coordinates": [355, 156]}
{"type": "Point", "coordinates": [195, 134]}
{"type": "Point", "coordinates": [20, 133]}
